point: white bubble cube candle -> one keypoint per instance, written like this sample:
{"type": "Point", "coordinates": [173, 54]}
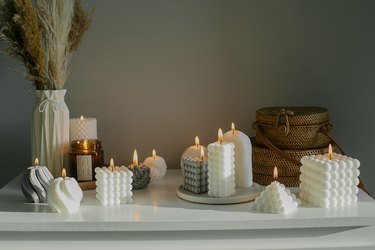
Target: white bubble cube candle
{"type": "Point", "coordinates": [113, 185]}
{"type": "Point", "coordinates": [329, 180]}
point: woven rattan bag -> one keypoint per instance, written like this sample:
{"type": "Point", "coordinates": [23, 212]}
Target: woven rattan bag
{"type": "Point", "coordinates": [293, 127]}
{"type": "Point", "coordinates": [283, 136]}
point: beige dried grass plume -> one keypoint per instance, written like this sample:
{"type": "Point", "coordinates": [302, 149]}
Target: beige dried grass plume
{"type": "Point", "coordinates": [43, 36]}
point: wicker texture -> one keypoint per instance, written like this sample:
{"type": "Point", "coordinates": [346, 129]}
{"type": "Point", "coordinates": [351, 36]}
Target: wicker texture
{"type": "Point", "coordinates": [293, 127]}
{"type": "Point", "coordinates": [264, 161]}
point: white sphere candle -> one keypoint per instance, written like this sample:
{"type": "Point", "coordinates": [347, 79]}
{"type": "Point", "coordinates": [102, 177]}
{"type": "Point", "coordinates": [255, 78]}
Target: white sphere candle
{"type": "Point", "coordinates": [157, 165]}
{"type": "Point", "coordinates": [193, 151]}
{"type": "Point", "coordinates": [221, 180]}
{"type": "Point", "coordinates": [83, 128]}
{"type": "Point", "coordinates": [64, 195]}
{"type": "Point", "coordinates": [242, 157]}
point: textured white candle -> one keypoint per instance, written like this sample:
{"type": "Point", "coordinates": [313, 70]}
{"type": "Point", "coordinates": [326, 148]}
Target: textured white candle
{"type": "Point", "coordinates": [83, 128]}
{"type": "Point", "coordinates": [242, 157]}
{"type": "Point", "coordinates": [276, 199]}
{"type": "Point", "coordinates": [221, 180]}
{"type": "Point", "coordinates": [329, 182]}
{"type": "Point", "coordinates": [113, 185]}
{"type": "Point", "coordinates": [193, 151]}
{"type": "Point", "coordinates": [64, 195]}
{"type": "Point", "coordinates": [157, 166]}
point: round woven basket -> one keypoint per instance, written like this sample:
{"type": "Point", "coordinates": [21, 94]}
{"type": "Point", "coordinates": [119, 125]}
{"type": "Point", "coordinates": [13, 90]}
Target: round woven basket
{"type": "Point", "coordinates": [264, 161]}
{"type": "Point", "coordinates": [293, 127]}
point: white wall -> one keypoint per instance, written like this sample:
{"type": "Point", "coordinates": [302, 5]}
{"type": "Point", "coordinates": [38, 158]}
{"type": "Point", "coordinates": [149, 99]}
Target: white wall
{"type": "Point", "coordinates": [157, 73]}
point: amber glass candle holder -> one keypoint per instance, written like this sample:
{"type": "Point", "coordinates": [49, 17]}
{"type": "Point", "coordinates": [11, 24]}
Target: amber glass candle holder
{"type": "Point", "coordinates": [84, 157]}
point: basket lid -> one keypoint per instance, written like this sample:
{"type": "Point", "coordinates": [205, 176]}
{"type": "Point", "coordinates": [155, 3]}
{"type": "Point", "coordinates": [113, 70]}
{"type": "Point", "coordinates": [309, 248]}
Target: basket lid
{"type": "Point", "coordinates": [297, 116]}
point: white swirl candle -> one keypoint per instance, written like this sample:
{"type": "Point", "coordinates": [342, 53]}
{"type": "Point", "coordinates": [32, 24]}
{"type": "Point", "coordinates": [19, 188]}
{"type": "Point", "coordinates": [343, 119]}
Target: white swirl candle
{"type": "Point", "coordinates": [64, 194]}
{"type": "Point", "coordinates": [83, 128]}
{"type": "Point", "coordinates": [276, 199]}
{"type": "Point", "coordinates": [221, 180]}
{"type": "Point", "coordinates": [242, 157]}
{"type": "Point", "coordinates": [329, 180]}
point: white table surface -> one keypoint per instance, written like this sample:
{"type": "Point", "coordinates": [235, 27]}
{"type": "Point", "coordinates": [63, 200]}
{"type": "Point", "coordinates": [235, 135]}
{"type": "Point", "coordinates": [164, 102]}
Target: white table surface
{"type": "Point", "coordinates": [159, 218]}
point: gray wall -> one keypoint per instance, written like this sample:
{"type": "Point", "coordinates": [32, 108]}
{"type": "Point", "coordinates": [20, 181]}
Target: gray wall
{"type": "Point", "coordinates": [157, 73]}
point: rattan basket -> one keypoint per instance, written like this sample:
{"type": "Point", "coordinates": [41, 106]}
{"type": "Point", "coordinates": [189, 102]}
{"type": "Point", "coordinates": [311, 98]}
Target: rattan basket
{"type": "Point", "coordinates": [264, 161]}
{"type": "Point", "coordinates": [293, 127]}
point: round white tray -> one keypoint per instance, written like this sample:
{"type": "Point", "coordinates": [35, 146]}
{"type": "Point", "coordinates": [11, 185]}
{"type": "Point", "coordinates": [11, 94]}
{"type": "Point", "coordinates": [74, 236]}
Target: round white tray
{"type": "Point", "coordinates": [242, 195]}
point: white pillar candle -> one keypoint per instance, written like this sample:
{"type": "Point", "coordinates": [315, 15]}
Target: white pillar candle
{"type": "Point", "coordinates": [242, 157]}
{"type": "Point", "coordinates": [83, 128]}
{"type": "Point", "coordinates": [221, 180]}
{"type": "Point", "coordinates": [276, 199]}
{"type": "Point", "coordinates": [329, 180]}
{"type": "Point", "coordinates": [64, 195]}
{"type": "Point", "coordinates": [35, 183]}
{"type": "Point", "coordinates": [157, 165]}
{"type": "Point", "coordinates": [113, 185]}
{"type": "Point", "coordinates": [193, 151]}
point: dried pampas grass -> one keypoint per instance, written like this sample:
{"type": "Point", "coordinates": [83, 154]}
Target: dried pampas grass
{"type": "Point", "coordinates": [19, 30]}
{"type": "Point", "coordinates": [43, 37]}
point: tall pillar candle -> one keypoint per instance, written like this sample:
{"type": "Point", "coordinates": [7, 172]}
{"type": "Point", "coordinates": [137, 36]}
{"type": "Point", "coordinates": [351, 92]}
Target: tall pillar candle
{"type": "Point", "coordinates": [221, 180]}
{"type": "Point", "coordinates": [193, 151]}
{"type": "Point", "coordinates": [83, 128]}
{"type": "Point", "coordinates": [242, 157]}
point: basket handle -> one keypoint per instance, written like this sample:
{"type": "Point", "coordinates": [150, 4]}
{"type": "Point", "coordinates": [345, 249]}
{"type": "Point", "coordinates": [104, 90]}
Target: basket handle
{"type": "Point", "coordinates": [272, 147]}
{"type": "Point", "coordinates": [326, 130]}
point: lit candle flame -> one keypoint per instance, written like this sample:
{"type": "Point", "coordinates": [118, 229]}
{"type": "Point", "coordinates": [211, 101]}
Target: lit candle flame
{"type": "Point", "coordinates": [232, 127]}
{"type": "Point", "coordinates": [154, 153]}
{"type": "Point", "coordinates": [81, 118]}
{"type": "Point", "coordinates": [111, 164]}
{"type": "Point", "coordinates": [220, 135]}
{"type": "Point", "coordinates": [63, 173]}
{"type": "Point", "coordinates": [197, 141]}
{"type": "Point", "coordinates": [275, 173]}
{"type": "Point", "coordinates": [135, 158]}
{"type": "Point", "coordinates": [36, 162]}
{"type": "Point", "coordinates": [330, 154]}
{"type": "Point", "coordinates": [202, 153]}
{"type": "Point", "coordinates": [85, 146]}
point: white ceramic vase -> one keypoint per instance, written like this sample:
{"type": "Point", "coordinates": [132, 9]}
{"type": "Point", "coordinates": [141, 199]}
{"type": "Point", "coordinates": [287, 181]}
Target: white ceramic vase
{"type": "Point", "coordinates": [50, 130]}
